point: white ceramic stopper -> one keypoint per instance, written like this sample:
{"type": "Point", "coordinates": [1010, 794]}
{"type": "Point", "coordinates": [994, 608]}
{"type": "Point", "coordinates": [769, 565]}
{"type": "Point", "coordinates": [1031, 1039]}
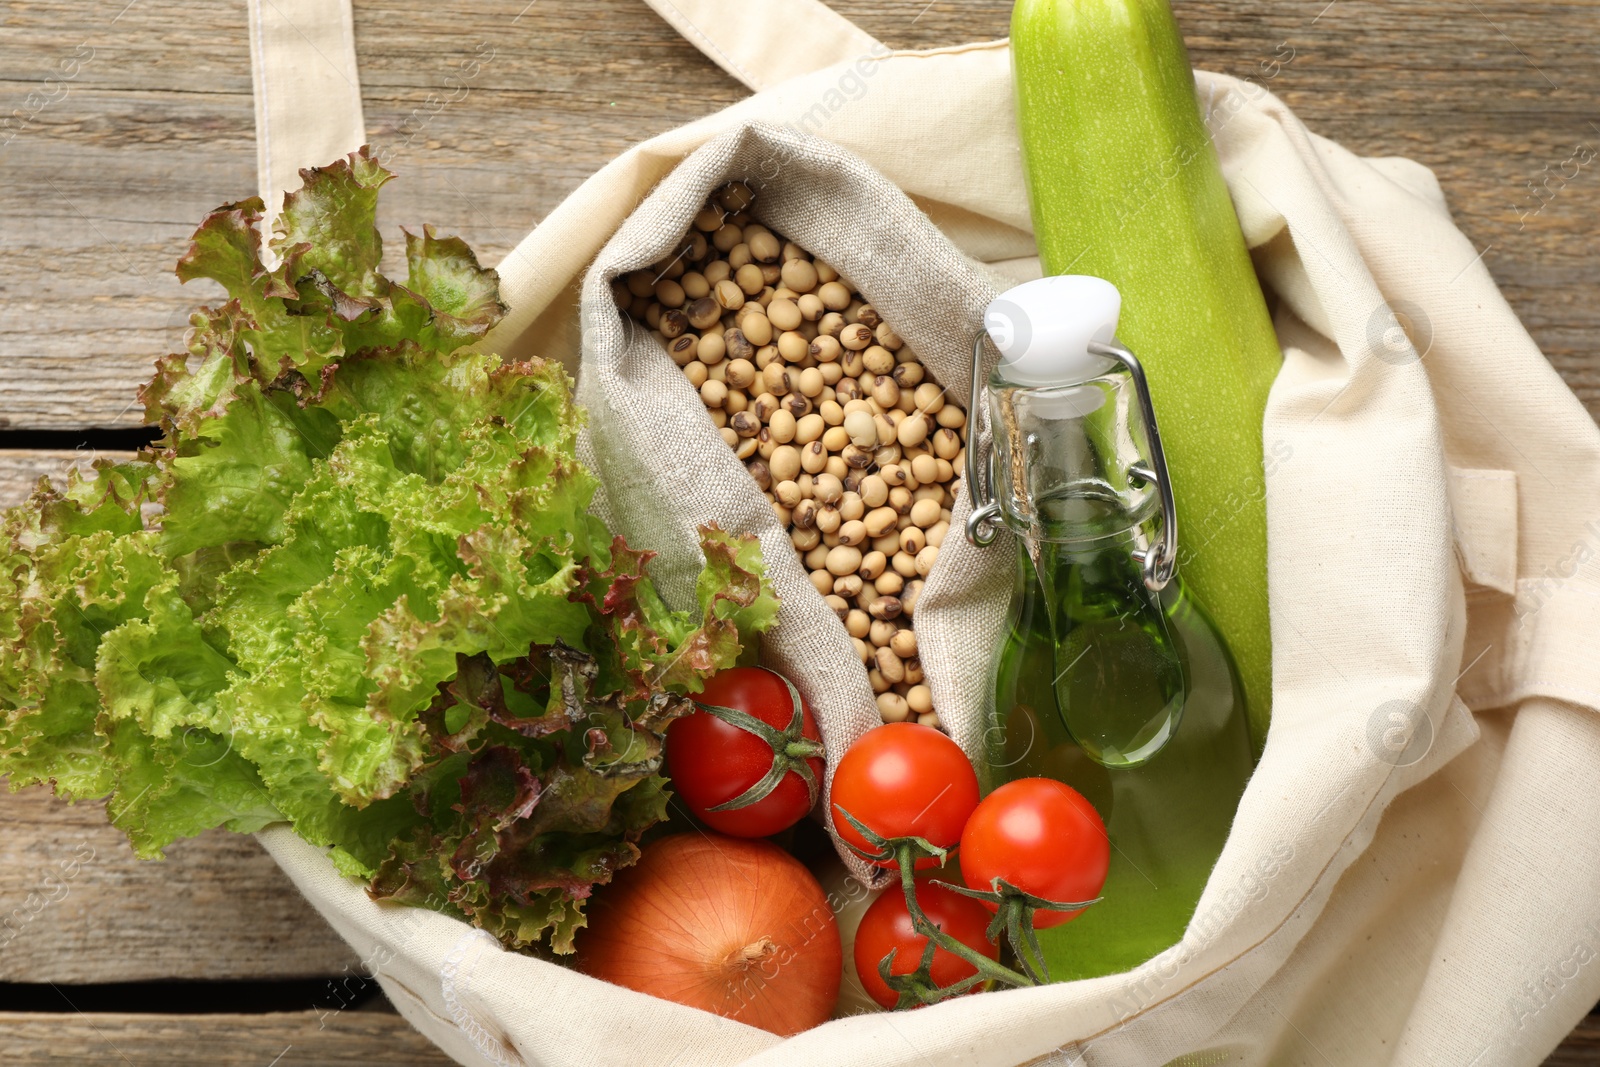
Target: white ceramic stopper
{"type": "Point", "coordinates": [1043, 328]}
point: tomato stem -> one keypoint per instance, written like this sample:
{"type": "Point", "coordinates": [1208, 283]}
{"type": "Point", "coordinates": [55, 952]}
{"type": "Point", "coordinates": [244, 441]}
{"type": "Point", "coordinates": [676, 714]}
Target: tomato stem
{"type": "Point", "coordinates": [1014, 911]}
{"type": "Point", "coordinates": [906, 854]}
{"type": "Point", "coordinates": [1017, 917]}
{"type": "Point", "coordinates": [791, 750]}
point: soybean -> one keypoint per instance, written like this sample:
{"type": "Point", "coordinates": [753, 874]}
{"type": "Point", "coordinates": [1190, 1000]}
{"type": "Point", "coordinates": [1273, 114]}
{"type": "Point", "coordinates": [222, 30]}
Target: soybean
{"type": "Point", "coordinates": [837, 420]}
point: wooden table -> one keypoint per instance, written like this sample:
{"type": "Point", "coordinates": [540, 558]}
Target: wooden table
{"type": "Point", "coordinates": [101, 185]}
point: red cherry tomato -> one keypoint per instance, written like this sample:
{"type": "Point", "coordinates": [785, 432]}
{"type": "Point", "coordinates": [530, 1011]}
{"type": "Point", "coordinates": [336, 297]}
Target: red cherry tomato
{"type": "Point", "coordinates": [1042, 837]}
{"type": "Point", "coordinates": [886, 926]}
{"type": "Point", "coordinates": [712, 762]}
{"type": "Point", "coordinates": [904, 780]}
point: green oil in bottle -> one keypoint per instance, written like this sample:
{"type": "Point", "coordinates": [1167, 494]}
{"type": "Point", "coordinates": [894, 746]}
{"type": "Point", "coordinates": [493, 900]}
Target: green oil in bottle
{"type": "Point", "coordinates": [1168, 815]}
{"type": "Point", "coordinates": [1110, 677]}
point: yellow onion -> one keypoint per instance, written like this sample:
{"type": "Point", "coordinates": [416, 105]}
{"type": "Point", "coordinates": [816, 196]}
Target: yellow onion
{"type": "Point", "coordinates": [732, 926]}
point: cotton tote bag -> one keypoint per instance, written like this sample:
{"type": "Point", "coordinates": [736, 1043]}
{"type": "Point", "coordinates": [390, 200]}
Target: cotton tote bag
{"type": "Point", "coordinates": [1412, 876]}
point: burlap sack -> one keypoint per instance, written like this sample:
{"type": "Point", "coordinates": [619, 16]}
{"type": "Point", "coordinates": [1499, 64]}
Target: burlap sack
{"type": "Point", "coordinates": [665, 470]}
{"type": "Point", "coordinates": [1434, 520]}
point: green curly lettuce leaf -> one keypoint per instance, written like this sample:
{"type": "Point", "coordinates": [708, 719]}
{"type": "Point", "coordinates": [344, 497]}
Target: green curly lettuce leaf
{"type": "Point", "coordinates": [356, 586]}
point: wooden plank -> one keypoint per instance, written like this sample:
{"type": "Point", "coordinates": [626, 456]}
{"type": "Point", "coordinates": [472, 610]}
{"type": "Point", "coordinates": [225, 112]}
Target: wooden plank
{"type": "Point", "coordinates": [357, 1037]}
{"type": "Point", "coordinates": [139, 121]}
{"type": "Point", "coordinates": [102, 187]}
{"type": "Point", "coordinates": [76, 906]}
{"type": "Point", "coordinates": [290, 1039]}
{"type": "Point", "coordinates": [1581, 1048]}
{"type": "Point", "coordinates": [285, 1040]}
{"type": "Point", "coordinates": [20, 470]}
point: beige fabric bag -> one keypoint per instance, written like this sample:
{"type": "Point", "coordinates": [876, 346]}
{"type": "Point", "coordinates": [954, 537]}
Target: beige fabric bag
{"type": "Point", "coordinates": [665, 470]}
{"type": "Point", "coordinates": [1434, 519]}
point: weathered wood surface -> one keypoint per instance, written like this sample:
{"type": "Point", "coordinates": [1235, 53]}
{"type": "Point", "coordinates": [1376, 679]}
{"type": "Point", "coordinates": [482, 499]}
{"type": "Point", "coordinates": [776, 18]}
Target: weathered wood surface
{"type": "Point", "coordinates": [1581, 1048]}
{"type": "Point", "coordinates": [76, 906]}
{"type": "Point", "coordinates": [101, 185]}
{"type": "Point", "coordinates": [300, 1038]}
{"type": "Point", "coordinates": [288, 1039]}
{"type": "Point", "coordinates": [21, 469]}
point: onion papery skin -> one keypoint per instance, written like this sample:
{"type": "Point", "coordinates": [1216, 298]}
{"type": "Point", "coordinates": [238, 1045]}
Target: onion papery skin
{"type": "Point", "coordinates": [733, 926]}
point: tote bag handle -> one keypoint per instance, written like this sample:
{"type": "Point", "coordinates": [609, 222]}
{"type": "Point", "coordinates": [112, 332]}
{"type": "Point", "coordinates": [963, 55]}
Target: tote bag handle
{"type": "Point", "coordinates": [307, 91]}
{"type": "Point", "coordinates": [768, 41]}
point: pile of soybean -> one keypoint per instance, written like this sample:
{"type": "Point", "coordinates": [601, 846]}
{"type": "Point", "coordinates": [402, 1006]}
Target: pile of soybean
{"type": "Point", "coordinates": [838, 422]}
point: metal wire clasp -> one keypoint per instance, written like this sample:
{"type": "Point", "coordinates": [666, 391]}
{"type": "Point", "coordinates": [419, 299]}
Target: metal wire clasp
{"type": "Point", "coordinates": [981, 528]}
{"type": "Point", "coordinates": [1160, 560]}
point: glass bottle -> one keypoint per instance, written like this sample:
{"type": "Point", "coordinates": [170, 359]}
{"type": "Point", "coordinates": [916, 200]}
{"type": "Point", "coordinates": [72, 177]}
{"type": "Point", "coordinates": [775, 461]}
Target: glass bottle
{"type": "Point", "coordinates": [1110, 677]}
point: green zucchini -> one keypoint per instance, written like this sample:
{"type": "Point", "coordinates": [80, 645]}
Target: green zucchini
{"type": "Point", "coordinates": [1124, 183]}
